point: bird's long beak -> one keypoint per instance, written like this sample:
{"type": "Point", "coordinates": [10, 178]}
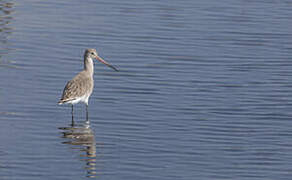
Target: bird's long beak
{"type": "Point", "coordinates": [106, 63]}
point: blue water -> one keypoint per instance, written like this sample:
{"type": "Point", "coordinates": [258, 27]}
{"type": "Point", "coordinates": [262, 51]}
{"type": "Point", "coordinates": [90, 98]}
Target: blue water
{"type": "Point", "coordinates": [203, 91]}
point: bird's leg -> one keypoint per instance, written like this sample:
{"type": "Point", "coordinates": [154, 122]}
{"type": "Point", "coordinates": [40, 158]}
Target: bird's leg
{"type": "Point", "coordinates": [72, 112]}
{"type": "Point", "coordinates": [87, 120]}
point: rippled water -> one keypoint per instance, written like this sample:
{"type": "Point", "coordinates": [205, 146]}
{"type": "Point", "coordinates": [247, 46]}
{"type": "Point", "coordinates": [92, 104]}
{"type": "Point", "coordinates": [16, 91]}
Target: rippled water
{"type": "Point", "coordinates": [203, 92]}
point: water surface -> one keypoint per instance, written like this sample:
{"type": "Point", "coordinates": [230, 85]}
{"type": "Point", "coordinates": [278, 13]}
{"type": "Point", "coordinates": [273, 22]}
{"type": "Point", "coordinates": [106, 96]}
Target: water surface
{"type": "Point", "coordinates": [203, 92]}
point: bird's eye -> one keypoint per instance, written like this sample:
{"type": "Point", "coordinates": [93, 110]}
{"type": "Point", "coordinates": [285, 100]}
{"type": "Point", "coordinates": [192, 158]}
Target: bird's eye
{"type": "Point", "coordinates": [92, 53]}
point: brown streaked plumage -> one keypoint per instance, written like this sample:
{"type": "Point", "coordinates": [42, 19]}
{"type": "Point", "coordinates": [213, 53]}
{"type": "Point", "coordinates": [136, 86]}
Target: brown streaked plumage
{"type": "Point", "coordinates": [80, 87]}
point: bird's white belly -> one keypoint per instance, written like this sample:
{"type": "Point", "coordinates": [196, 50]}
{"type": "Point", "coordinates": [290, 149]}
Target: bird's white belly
{"type": "Point", "coordinates": [83, 99]}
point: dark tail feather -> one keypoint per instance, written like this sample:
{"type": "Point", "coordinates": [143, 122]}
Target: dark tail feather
{"type": "Point", "coordinates": [62, 101]}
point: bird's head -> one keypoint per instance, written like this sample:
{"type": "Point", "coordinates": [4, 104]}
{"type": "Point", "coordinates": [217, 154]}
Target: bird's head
{"type": "Point", "coordinates": [92, 53]}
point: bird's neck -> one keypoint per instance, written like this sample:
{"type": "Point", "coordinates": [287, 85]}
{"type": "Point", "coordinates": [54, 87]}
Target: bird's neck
{"type": "Point", "coordinates": [88, 65]}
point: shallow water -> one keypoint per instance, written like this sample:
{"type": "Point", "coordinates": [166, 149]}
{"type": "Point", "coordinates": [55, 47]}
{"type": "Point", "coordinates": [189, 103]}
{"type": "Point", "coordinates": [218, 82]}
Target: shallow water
{"type": "Point", "coordinates": [203, 92]}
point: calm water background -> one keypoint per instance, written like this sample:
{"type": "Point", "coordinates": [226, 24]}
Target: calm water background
{"type": "Point", "coordinates": [204, 89]}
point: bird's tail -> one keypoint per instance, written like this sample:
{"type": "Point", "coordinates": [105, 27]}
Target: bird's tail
{"type": "Point", "coordinates": [61, 102]}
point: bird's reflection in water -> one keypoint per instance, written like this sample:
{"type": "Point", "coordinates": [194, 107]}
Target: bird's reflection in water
{"type": "Point", "coordinates": [82, 138]}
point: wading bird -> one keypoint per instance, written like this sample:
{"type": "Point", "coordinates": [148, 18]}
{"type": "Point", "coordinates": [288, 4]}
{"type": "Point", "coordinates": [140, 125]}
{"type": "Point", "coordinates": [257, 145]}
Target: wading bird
{"type": "Point", "coordinates": [80, 87]}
